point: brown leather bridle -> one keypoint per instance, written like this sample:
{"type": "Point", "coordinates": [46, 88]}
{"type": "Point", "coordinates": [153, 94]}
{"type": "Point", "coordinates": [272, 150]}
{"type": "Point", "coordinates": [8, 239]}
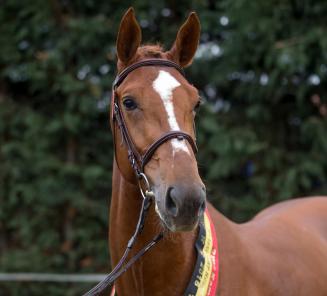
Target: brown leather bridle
{"type": "Point", "coordinates": [138, 162]}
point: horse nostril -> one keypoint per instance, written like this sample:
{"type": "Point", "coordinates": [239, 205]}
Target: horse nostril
{"type": "Point", "coordinates": [171, 204]}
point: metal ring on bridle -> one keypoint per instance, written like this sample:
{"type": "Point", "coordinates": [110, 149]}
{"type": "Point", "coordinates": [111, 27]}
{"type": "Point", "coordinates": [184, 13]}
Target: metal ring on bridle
{"type": "Point", "coordinates": [147, 192]}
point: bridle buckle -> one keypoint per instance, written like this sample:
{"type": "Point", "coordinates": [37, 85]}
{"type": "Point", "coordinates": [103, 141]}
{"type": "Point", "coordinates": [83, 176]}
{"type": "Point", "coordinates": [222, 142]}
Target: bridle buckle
{"type": "Point", "coordinates": [145, 192]}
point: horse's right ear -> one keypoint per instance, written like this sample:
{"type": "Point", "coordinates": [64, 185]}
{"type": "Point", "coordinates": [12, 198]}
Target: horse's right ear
{"type": "Point", "coordinates": [129, 37]}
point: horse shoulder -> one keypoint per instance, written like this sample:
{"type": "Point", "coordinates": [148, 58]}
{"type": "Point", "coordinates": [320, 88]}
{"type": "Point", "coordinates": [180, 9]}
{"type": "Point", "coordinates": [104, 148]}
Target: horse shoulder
{"type": "Point", "coordinates": [290, 243]}
{"type": "Point", "coordinates": [283, 249]}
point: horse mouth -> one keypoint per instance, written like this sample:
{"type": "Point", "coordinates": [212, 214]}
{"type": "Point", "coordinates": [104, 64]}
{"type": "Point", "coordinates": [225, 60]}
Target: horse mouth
{"type": "Point", "coordinates": [170, 225]}
{"type": "Point", "coordinates": [162, 219]}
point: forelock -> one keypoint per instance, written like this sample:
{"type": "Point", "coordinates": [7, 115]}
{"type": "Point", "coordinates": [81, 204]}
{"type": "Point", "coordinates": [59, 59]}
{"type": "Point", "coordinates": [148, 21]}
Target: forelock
{"type": "Point", "coordinates": [151, 51]}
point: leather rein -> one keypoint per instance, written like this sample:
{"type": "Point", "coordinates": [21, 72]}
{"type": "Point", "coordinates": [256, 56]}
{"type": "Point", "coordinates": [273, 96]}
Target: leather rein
{"type": "Point", "coordinates": [138, 162]}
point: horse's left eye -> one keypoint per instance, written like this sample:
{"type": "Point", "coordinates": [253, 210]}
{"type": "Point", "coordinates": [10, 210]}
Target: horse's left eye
{"type": "Point", "coordinates": [129, 104]}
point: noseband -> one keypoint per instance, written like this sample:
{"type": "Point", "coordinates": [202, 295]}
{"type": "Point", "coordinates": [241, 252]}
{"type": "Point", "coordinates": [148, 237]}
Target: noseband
{"type": "Point", "coordinates": [137, 160]}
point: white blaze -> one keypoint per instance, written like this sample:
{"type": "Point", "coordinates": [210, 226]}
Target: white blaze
{"type": "Point", "coordinates": [164, 85]}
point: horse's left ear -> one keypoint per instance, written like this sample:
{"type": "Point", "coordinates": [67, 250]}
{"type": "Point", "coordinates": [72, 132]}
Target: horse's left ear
{"type": "Point", "coordinates": [187, 40]}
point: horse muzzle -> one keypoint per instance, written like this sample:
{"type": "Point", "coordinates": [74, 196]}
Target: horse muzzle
{"type": "Point", "coordinates": [181, 207]}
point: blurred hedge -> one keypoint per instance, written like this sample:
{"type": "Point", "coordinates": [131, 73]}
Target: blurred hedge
{"type": "Point", "coordinates": [261, 69]}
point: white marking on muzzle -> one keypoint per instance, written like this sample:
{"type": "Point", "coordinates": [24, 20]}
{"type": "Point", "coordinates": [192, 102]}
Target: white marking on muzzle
{"type": "Point", "coordinates": [164, 85]}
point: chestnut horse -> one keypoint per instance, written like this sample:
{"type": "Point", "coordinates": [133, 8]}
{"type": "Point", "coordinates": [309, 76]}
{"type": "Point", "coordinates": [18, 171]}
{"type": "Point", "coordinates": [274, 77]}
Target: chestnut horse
{"type": "Point", "coordinates": [282, 251]}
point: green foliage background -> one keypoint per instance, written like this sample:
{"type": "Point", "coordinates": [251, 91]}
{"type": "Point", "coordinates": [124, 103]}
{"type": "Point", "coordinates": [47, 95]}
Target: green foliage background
{"type": "Point", "coordinates": [261, 69]}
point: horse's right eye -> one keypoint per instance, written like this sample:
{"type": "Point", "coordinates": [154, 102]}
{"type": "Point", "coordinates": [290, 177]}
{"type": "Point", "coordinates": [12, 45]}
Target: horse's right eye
{"type": "Point", "coordinates": [129, 104]}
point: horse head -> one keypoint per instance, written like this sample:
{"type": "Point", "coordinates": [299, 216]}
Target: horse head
{"type": "Point", "coordinates": [155, 100]}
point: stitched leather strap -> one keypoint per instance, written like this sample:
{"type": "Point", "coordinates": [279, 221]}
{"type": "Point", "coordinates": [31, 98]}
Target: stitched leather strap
{"type": "Point", "coordinates": [121, 267]}
{"type": "Point", "coordinates": [170, 135]}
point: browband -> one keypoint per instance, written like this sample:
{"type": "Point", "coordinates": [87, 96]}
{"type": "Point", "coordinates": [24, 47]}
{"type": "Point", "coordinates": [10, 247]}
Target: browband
{"type": "Point", "coordinates": [152, 62]}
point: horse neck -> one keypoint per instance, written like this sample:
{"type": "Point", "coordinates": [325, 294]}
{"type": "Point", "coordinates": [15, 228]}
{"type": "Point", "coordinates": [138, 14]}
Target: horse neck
{"type": "Point", "coordinates": [172, 260]}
